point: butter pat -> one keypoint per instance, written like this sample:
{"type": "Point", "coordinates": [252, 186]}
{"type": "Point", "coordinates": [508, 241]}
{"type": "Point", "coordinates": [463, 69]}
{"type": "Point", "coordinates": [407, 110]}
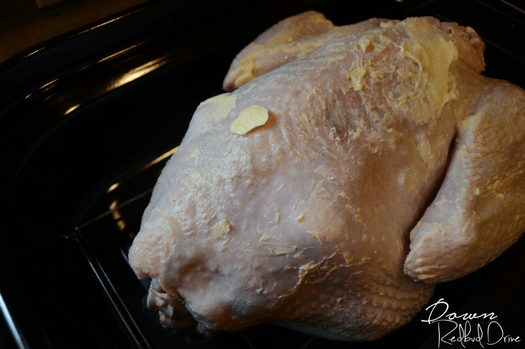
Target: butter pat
{"type": "Point", "coordinates": [250, 118]}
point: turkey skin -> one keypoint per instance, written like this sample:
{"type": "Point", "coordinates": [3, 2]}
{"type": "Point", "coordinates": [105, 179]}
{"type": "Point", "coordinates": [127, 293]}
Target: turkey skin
{"type": "Point", "coordinates": [348, 170]}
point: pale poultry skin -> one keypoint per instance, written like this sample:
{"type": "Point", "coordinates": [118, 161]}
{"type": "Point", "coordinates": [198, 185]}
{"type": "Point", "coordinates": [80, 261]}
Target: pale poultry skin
{"type": "Point", "coordinates": [373, 161]}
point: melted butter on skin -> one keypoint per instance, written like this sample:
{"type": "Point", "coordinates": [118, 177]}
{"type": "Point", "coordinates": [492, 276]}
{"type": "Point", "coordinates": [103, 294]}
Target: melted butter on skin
{"type": "Point", "coordinates": [357, 73]}
{"type": "Point", "coordinates": [426, 276]}
{"type": "Point", "coordinates": [433, 84]}
{"type": "Point", "coordinates": [250, 118]}
{"type": "Point", "coordinates": [308, 268]}
{"type": "Point", "coordinates": [284, 250]}
{"type": "Point", "coordinates": [195, 153]}
{"type": "Point", "coordinates": [365, 42]}
{"type": "Point", "coordinates": [350, 261]}
{"type": "Point", "coordinates": [343, 194]}
{"type": "Point", "coordinates": [324, 171]}
{"type": "Point", "coordinates": [389, 24]}
{"type": "Point", "coordinates": [224, 104]}
{"type": "Point", "coordinates": [361, 68]}
{"type": "Point", "coordinates": [434, 57]}
{"type": "Point", "coordinates": [290, 40]}
{"type": "Point", "coordinates": [196, 178]}
{"type": "Point", "coordinates": [220, 229]}
{"type": "Point", "coordinates": [348, 257]}
{"type": "Point", "coordinates": [192, 181]}
{"type": "Point", "coordinates": [315, 234]}
{"type": "Point", "coordinates": [299, 255]}
{"type": "Point", "coordinates": [245, 71]}
{"type": "Point", "coordinates": [265, 239]}
{"type": "Point", "coordinates": [275, 244]}
{"type": "Point", "coordinates": [250, 88]}
{"type": "Point", "coordinates": [356, 134]}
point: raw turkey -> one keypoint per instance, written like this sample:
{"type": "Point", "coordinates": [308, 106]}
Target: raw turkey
{"type": "Point", "coordinates": [349, 170]}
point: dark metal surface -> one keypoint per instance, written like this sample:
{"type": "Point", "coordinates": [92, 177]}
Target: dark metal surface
{"type": "Point", "coordinates": [83, 121]}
